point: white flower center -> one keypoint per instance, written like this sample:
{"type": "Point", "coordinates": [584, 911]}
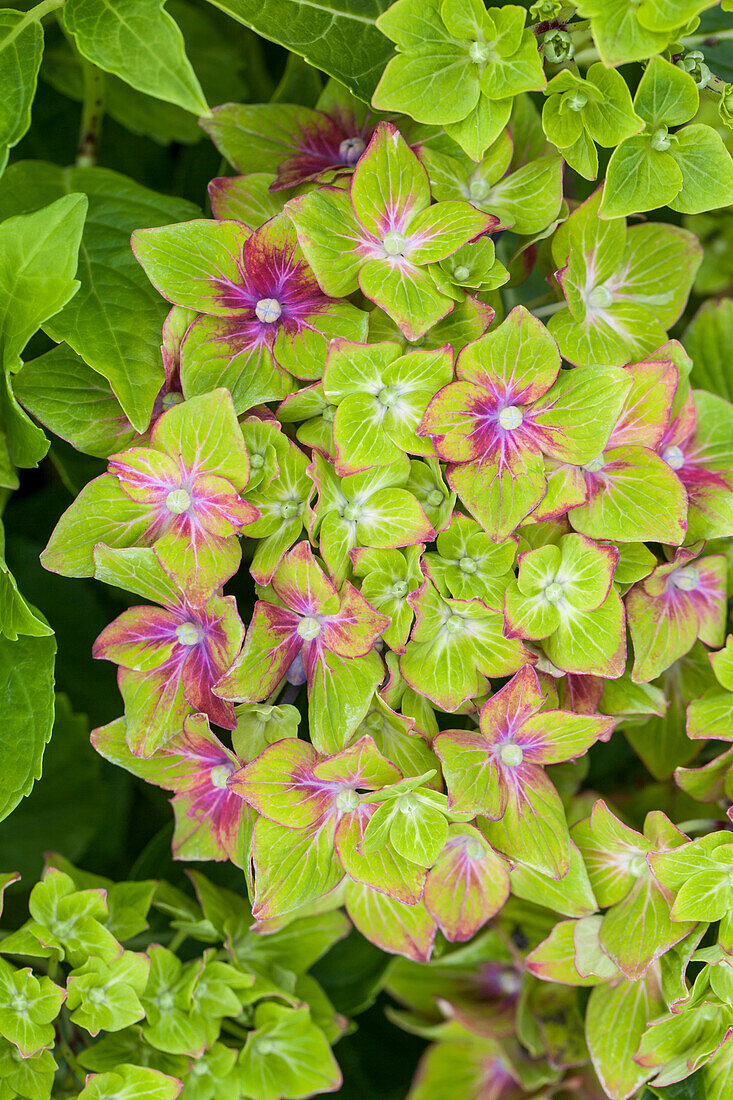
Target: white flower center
{"type": "Point", "coordinates": [674, 457]}
{"type": "Point", "coordinates": [268, 310]}
{"type": "Point", "coordinates": [686, 578]}
{"type": "Point", "coordinates": [219, 776]}
{"type": "Point", "coordinates": [393, 243]}
{"type": "Point", "coordinates": [511, 755]}
{"type": "Point", "coordinates": [347, 800]}
{"type": "Point", "coordinates": [511, 417]}
{"type": "Point", "coordinates": [309, 628]}
{"type": "Point", "coordinates": [178, 501]}
{"type": "Point", "coordinates": [553, 592]}
{"type": "Point", "coordinates": [189, 633]}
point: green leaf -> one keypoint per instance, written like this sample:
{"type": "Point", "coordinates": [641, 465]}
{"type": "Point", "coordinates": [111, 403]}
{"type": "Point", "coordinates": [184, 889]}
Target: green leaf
{"type": "Point", "coordinates": [40, 256]}
{"type": "Point", "coordinates": [66, 807]}
{"type": "Point", "coordinates": [102, 512]}
{"type": "Point", "coordinates": [26, 718]}
{"type": "Point", "coordinates": [337, 36]}
{"type": "Point", "coordinates": [74, 402]}
{"type": "Point", "coordinates": [390, 924]}
{"type": "Point", "coordinates": [21, 49]}
{"type": "Point", "coordinates": [639, 177]}
{"type": "Point", "coordinates": [615, 1021]}
{"type": "Point", "coordinates": [140, 42]}
{"type": "Point", "coordinates": [286, 1055]}
{"type": "Point", "coordinates": [705, 339]}
{"type": "Point", "coordinates": [16, 616]}
{"type": "Point", "coordinates": [115, 319]}
{"type": "Point", "coordinates": [106, 994]}
{"type": "Point", "coordinates": [706, 168]}
{"type": "Point", "coordinates": [666, 96]}
{"type": "Point", "coordinates": [130, 1083]}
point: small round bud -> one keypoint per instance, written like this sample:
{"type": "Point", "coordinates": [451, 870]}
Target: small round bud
{"type": "Point", "coordinates": [558, 46]}
{"type": "Point", "coordinates": [219, 776]}
{"type": "Point", "coordinates": [291, 509]}
{"type": "Point", "coordinates": [693, 63]}
{"type": "Point", "coordinates": [511, 754]}
{"type": "Point", "coordinates": [435, 498]}
{"type": "Point", "coordinates": [189, 633]}
{"type": "Point", "coordinates": [461, 273]}
{"type": "Point", "coordinates": [347, 800]}
{"type": "Point", "coordinates": [399, 589]}
{"type": "Point", "coordinates": [553, 592]}
{"type": "Point", "coordinates": [576, 101]}
{"type": "Point", "coordinates": [178, 501]}
{"type": "Point", "coordinates": [661, 140]}
{"type": "Point", "coordinates": [674, 457]}
{"type": "Point", "coordinates": [256, 461]}
{"type": "Point", "coordinates": [468, 565]}
{"type": "Point", "coordinates": [268, 310]}
{"type": "Point", "coordinates": [393, 243]}
{"type": "Point", "coordinates": [600, 297]}
{"type": "Point", "coordinates": [686, 579]}
{"type": "Point", "coordinates": [478, 189]}
{"type": "Point", "coordinates": [478, 52]}
{"type": "Point", "coordinates": [388, 396]}
{"type": "Point", "coordinates": [455, 624]}
{"type": "Point", "coordinates": [352, 513]}
{"type": "Point", "coordinates": [309, 628]}
{"type": "Point", "coordinates": [350, 150]}
{"type": "Point", "coordinates": [511, 417]}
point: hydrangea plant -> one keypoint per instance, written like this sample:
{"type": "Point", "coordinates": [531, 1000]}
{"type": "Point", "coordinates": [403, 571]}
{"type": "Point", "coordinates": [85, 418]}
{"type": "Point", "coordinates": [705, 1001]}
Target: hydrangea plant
{"type": "Point", "coordinates": [395, 476]}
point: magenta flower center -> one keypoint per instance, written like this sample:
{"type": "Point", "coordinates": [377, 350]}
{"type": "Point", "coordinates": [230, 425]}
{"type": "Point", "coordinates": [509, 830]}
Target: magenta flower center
{"type": "Point", "coordinates": [178, 501]}
{"type": "Point", "coordinates": [511, 754]}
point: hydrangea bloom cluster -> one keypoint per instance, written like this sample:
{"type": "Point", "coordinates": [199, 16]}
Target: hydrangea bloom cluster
{"type": "Point", "coordinates": [408, 553]}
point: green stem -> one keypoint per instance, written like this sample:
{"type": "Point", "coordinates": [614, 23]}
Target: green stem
{"type": "Point", "coordinates": [179, 938]}
{"type": "Point", "coordinates": [41, 10]}
{"type": "Point", "coordinates": [547, 311]}
{"type": "Point", "coordinates": [235, 1029]}
{"type": "Point", "coordinates": [71, 1061]}
{"type": "Point", "coordinates": [92, 113]}
{"type": "Point", "coordinates": [710, 39]}
{"type": "Point", "coordinates": [699, 825]}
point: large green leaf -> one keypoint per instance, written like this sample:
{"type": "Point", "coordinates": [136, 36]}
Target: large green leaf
{"type": "Point", "coordinates": [225, 57]}
{"type": "Point", "coordinates": [706, 339]}
{"type": "Point", "coordinates": [140, 42]}
{"type": "Point", "coordinates": [21, 49]}
{"type": "Point", "coordinates": [115, 319]}
{"type": "Point", "coordinates": [26, 717]}
{"type": "Point", "coordinates": [338, 36]}
{"type": "Point", "coordinates": [39, 257]}
{"type": "Point", "coordinates": [66, 807]}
